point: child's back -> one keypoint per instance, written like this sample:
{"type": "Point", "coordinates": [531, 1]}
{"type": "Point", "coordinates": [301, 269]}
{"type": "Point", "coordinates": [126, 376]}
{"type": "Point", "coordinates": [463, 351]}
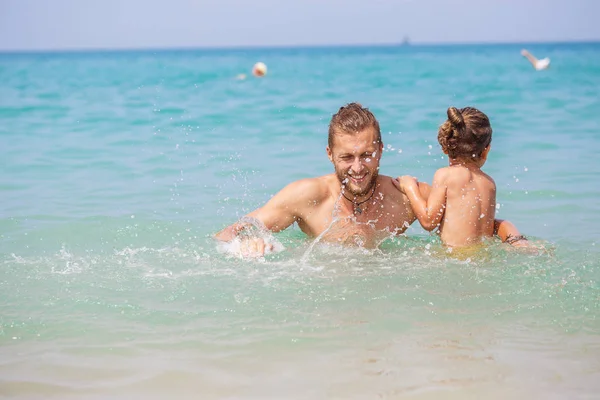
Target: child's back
{"type": "Point", "coordinates": [462, 202]}
{"type": "Point", "coordinates": [470, 205]}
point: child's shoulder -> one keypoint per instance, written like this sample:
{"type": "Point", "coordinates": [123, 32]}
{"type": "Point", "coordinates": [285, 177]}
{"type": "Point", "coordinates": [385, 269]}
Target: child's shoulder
{"type": "Point", "coordinates": [444, 173]}
{"type": "Point", "coordinates": [457, 174]}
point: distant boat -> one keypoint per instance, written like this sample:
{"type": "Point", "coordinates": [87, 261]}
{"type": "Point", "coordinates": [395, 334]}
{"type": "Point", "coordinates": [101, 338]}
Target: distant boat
{"type": "Point", "coordinates": [405, 41]}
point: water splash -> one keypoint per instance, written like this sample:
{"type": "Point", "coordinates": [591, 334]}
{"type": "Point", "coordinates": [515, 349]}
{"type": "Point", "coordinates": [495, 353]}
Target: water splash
{"type": "Point", "coordinates": [253, 229]}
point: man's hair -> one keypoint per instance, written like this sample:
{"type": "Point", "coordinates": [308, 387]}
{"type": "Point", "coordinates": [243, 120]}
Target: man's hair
{"type": "Point", "coordinates": [351, 119]}
{"type": "Point", "coordinates": [466, 133]}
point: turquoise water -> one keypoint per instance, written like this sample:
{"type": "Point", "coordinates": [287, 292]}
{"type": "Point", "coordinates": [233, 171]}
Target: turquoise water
{"type": "Point", "coordinates": [119, 166]}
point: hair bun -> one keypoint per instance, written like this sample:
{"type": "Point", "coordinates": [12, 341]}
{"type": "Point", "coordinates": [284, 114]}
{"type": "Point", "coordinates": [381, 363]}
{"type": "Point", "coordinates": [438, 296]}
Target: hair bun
{"type": "Point", "coordinates": [455, 117]}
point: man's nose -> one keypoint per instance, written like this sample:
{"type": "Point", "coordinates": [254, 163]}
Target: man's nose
{"type": "Point", "coordinates": [357, 165]}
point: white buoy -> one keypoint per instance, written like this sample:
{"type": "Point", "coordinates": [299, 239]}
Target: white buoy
{"type": "Point", "coordinates": [259, 69]}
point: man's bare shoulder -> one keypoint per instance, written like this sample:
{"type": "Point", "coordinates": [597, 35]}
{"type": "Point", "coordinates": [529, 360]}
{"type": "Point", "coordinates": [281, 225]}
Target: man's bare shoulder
{"type": "Point", "coordinates": [389, 189]}
{"type": "Point", "coordinates": [310, 189]}
{"type": "Point", "coordinates": [392, 193]}
{"type": "Point", "coordinates": [399, 204]}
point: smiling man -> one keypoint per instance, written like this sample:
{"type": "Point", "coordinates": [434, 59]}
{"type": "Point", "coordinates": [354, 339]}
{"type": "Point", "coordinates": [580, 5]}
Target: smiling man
{"type": "Point", "coordinates": [355, 205]}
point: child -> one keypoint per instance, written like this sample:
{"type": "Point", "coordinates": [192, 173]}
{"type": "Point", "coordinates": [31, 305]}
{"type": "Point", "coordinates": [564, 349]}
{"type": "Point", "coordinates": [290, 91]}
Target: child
{"type": "Point", "coordinates": [462, 202]}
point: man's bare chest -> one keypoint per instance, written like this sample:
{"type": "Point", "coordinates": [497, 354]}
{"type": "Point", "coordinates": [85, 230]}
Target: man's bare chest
{"type": "Point", "coordinates": [378, 216]}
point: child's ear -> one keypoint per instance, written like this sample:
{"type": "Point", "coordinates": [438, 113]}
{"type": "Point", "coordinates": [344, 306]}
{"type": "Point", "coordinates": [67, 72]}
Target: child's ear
{"type": "Point", "coordinates": [485, 152]}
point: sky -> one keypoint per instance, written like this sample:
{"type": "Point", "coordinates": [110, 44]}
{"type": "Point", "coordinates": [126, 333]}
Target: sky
{"type": "Point", "coordinates": [122, 24]}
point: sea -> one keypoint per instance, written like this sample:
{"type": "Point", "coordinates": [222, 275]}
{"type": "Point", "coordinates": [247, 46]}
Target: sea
{"type": "Point", "coordinates": [118, 167]}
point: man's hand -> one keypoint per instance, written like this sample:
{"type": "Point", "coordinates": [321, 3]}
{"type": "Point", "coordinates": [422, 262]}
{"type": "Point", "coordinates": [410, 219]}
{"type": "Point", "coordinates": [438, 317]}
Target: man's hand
{"type": "Point", "coordinates": [247, 239]}
{"type": "Point", "coordinates": [249, 247]}
{"type": "Point", "coordinates": [254, 247]}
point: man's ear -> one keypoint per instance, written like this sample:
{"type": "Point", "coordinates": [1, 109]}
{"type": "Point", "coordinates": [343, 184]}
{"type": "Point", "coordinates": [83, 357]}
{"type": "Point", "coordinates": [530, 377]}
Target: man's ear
{"type": "Point", "coordinates": [329, 154]}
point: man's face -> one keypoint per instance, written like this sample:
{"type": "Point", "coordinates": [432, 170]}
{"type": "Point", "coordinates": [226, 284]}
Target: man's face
{"type": "Point", "coordinates": [356, 160]}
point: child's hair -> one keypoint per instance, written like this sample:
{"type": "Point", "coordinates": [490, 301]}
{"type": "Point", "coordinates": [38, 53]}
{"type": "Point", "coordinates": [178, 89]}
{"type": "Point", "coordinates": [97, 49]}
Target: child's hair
{"type": "Point", "coordinates": [465, 134]}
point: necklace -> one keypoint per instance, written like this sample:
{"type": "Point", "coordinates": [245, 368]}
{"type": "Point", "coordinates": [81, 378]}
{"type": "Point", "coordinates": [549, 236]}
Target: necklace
{"type": "Point", "coordinates": [357, 209]}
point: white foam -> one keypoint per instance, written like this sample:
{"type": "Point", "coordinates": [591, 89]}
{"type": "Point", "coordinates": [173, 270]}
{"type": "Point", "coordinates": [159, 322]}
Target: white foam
{"type": "Point", "coordinates": [236, 246]}
{"type": "Point", "coordinates": [254, 229]}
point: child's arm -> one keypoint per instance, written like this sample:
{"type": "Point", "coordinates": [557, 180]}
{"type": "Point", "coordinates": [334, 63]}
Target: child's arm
{"type": "Point", "coordinates": [429, 212]}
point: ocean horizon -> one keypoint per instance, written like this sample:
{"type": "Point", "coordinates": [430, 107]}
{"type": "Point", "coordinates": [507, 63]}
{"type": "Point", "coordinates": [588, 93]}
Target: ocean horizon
{"type": "Point", "coordinates": [332, 46]}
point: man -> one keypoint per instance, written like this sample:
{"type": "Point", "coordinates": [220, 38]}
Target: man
{"type": "Point", "coordinates": [355, 205]}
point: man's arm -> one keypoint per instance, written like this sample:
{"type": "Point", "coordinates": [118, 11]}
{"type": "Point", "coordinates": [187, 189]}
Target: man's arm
{"type": "Point", "coordinates": [281, 211]}
{"type": "Point", "coordinates": [509, 233]}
